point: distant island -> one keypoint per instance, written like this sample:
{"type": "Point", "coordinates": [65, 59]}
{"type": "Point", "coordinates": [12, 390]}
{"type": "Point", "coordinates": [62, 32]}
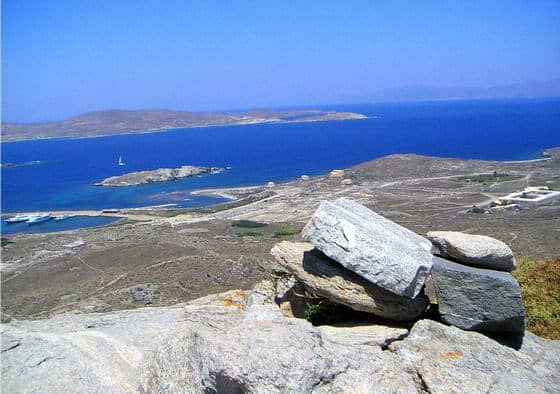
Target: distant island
{"type": "Point", "coordinates": [159, 175]}
{"type": "Point", "coordinates": [110, 122]}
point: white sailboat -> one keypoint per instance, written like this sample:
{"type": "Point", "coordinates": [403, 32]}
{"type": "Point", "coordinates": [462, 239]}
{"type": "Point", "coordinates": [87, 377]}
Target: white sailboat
{"type": "Point", "coordinates": [121, 163]}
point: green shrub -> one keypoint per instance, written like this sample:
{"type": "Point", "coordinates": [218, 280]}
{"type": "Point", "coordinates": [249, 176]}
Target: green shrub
{"type": "Point", "coordinates": [5, 241]}
{"type": "Point", "coordinates": [319, 311]}
{"type": "Point", "coordinates": [486, 178]}
{"type": "Point", "coordinates": [287, 230]}
{"type": "Point", "coordinates": [251, 234]}
{"type": "Point", "coordinates": [476, 209]}
{"type": "Point", "coordinates": [247, 224]}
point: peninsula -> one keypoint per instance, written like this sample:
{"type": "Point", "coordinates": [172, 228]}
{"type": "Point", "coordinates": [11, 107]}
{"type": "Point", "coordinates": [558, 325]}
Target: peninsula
{"type": "Point", "coordinates": [111, 122]}
{"type": "Point", "coordinates": [158, 175]}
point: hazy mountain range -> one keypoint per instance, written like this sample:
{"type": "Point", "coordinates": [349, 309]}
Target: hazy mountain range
{"type": "Point", "coordinates": [549, 88]}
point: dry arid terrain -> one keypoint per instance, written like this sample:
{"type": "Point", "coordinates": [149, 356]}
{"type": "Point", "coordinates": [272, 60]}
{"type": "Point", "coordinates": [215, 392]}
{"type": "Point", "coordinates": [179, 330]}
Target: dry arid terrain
{"type": "Point", "coordinates": [173, 256]}
{"type": "Point", "coordinates": [111, 122]}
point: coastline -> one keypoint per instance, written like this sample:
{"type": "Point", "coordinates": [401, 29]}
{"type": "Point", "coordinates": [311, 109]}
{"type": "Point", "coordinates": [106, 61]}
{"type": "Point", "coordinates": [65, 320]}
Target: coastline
{"type": "Point", "coordinates": [162, 130]}
{"type": "Point", "coordinates": [526, 161]}
{"type": "Point", "coordinates": [235, 193]}
{"type": "Point", "coordinates": [221, 192]}
{"type": "Point", "coordinates": [293, 200]}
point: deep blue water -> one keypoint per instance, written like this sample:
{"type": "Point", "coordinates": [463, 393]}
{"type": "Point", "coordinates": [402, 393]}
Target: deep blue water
{"type": "Point", "coordinates": [67, 168]}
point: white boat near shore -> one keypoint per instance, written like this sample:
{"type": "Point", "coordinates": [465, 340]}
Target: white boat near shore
{"type": "Point", "coordinates": [39, 219]}
{"type": "Point", "coordinates": [18, 219]}
{"type": "Point", "coordinates": [61, 217]}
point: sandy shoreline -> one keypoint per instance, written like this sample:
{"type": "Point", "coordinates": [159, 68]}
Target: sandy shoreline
{"type": "Point", "coordinates": [228, 193]}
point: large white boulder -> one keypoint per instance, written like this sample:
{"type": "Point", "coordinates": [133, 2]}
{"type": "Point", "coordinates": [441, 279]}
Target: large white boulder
{"type": "Point", "coordinates": [379, 250]}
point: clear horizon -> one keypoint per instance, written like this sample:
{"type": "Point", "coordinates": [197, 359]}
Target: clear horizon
{"type": "Point", "coordinates": [65, 58]}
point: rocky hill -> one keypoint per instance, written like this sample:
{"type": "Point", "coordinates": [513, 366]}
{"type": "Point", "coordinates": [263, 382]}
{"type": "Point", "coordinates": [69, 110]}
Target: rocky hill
{"type": "Point", "coordinates": [120, 122]}
{"type": "Point", "coordinates": [364, 307]}
{"type": "Point", "coordinates": [154, 176]}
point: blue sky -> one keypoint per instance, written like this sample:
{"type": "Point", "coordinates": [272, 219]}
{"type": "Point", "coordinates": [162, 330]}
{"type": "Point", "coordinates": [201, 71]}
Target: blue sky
{"type": "Point", "coordinates": [62, 57]}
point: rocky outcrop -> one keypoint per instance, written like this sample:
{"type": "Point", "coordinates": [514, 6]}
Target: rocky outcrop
{"type": "Point", "coordinates": [449, 360]}
{"type": "Point", "coordinates": [248, 341]}
{"type": "Point", "coordinates": [159, 175]}
{"type": "Point", "coordinates": [268, 353]}
{"type": "Point", "coordinates": [374, 264]}
{"type": "Point", "coordinates": [379, 250]}
{"type": "Point", "coordinates": [239, 341]}
{"type": "Point", "coordinates": [477, 299]}
{"type": "Point", "coordinates": [215, 344]}
{"type": "Point", "coordinates": [477, 250]}
{"type": "Point", "coordinates": [326, 278]}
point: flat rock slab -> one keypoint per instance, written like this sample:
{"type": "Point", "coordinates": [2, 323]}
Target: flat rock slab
{"type": "Point", "coordinates": [363, 334]}
{"type": "Point", "coordinates": [326, 278]}
{"type": "Point", "coordinates": [449, 360]}
{"type": "Point", "coordinates": [102, 352]}
{"type": "Point", "coordinates": [379, 250]}
{"type": "Point", "coordinates": [476, 250]}
{"type": "Point", "coordinates": [478, 299]}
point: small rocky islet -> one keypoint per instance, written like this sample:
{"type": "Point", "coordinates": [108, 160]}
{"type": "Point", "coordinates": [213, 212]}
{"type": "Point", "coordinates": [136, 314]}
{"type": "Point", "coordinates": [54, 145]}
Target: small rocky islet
{"type": "Point", "coordinates": [437, 323]}
{"type": "Point", "coordinates": [158, 175]}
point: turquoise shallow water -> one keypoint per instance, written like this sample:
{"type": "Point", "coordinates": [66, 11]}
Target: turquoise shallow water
{"type": "Point", "coordinates": [59, 173]}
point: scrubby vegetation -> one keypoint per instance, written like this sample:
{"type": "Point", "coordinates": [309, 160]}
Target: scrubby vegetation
{"type": "Point", "coordinates": [5, 241]}
{"type": "Point", "coordinates": [247, 224]}
{"type": "Point", "coordinates": [488, 178]}
{"type": "Point", "coordinates": [318, 311]}
{"type": "Point", "coordinates": [251, 234]}
{"type": "Point", "coordinates": [476, 209]}
{"type": "Point", "coordinates": [287, 230]}
{"type": "Point", "coordinates": [540, 286]}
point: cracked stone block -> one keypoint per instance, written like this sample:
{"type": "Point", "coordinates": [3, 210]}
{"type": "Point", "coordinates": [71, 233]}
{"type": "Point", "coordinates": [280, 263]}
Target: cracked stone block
{"type": "Point", "coordinates": [478, 299]}
{"type": "Point", "coordinates": [326, 278]}
{"type": "Point", "coordinates": [375, 248]}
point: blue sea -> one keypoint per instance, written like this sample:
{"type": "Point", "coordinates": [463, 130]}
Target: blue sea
{"type": "Point", "coordinates": [58, 174]}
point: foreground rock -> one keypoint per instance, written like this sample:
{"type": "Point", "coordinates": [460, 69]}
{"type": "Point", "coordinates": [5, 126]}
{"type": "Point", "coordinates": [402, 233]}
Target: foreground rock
{"type": "Point", "coordinates": [477, 299]}
{"type": "Point", "coordinates": [224, 344]}
{"type": "Point", "coordinates": [211, 345]}
{"type": "Point", "coordinates": [386, 254]}
{"type": "Point", "coordinates": [326, 278]}
{"type": "Point", "coordinates": [448, 360]}
{"type": "Point", "coordinates": [477, 250]}
{"type": "Point", "coordinates": [267, 354]}
{"type": "Point", "coordinates": [159, 175]}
